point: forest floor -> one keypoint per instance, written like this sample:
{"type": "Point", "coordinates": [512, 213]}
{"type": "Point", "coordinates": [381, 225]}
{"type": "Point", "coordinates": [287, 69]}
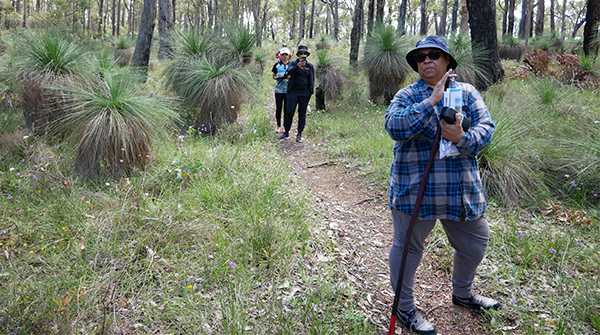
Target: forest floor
{"type": "Point", "coordinates": [356, 218]}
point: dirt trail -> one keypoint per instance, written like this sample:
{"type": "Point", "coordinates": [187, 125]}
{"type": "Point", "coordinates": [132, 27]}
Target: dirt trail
{"type": "Point", "coordinates": [358, 221]}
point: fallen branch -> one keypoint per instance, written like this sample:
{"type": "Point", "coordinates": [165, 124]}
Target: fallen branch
{"type": "Point", "coordinates": [322, 164]}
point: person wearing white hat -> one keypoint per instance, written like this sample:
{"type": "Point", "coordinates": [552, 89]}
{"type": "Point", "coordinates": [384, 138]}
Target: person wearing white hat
{"type": "Point", "coordinates": [279, 74]}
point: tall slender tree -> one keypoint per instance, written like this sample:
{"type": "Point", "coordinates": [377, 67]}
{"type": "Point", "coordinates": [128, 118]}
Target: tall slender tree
{"type": "Point", "coordinates": [141, 55]}
{"type": "Point", "coordinates": [424, 17]}
{"type": "Point", "coordinates": [166, 25]}
{"type": "Point", "coordinates": [591, 39]}
{"type": "Point", "coordinates": [482, 20]}
{"type": "Point", "coordinates": [442, 30]}
{"type": "Point", "coordinates": [371, 17]}
{"type": "Point", "coordinates": [312, 20]}
{"type": "Point", "coordinates": [539, 26]}
{"type": "Point", "coordinates": [355, 33]}
{"type": "Point", "coordinates": [402, 17]}
{"type": "Point", "coordinates": [380, 11]}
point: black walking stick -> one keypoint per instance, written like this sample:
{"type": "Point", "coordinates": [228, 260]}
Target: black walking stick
{"type": "Point", "coordinates": [413, 219]}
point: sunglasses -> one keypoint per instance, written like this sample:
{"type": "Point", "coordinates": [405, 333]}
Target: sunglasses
{"type": "Point", "coordinates": [302, 53]}
{"type": "Point", "coordinates": [433, 55]}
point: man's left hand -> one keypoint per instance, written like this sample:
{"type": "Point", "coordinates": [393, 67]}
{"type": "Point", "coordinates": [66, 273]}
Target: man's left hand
{"type": "Point", "coordinates": [452, 132]}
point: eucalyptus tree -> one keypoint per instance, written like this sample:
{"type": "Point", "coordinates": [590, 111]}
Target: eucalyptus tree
{"type": "Point", "coordinates": [141, 55]}
{"type": "Point", "coordinates": [356, 33]}
{"type": "Point", "coordinates": [482, 19]}
{"type": "Point", "coordinates": [591, 38]}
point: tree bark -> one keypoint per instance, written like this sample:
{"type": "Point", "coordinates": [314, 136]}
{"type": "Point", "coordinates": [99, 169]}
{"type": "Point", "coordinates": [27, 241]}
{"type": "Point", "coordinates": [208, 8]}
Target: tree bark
{"type": "Point", "coordinates": [312, 20]}
{"type": "Point", "coordinates": [482, 19]}
{"type": "Point", "coordinates": [504, 16]}
{"type": "Point", "coordinates": [380, 11]}
{"type": "Point", "coordinates": [524, 17]}
{"type": "Point", "coordinates": [539, 26]}
{"type": "Point", "coordinates": [141, 55]}
{"type": "Point", "coordinates": [510, 29]}
{"type": "Point", "coordinates": [370, 17]}
{"type": "Point", "coordinates": [302, 20]}
{"type": "Point", "coordinates": [443, 16]}
{"type": "Point", "coordinates": [454, 16]}
{"type": "Point", "coordinates": [424, 23]}
{"type": "Point", "coordinates": [100, 15]}
{"type": "Point", "coordinates": [590, 31]}
{"type": "Point", "coordinates": [235, 11]}
{"type": "Point", "coordinates": [402, 18]}
{"type": "Point", "coordinates": [464, 18]}
{"type": "Point", "coordinates": [165, 29]}
{"type": "Point", "coordinates": [552, 24]}
{"type": "Point", "coordinates": [119, 18]}
{"type": "Point", "coordinates": [113, 18]}
{"type": "Point", "coordinates": [355, 33]}
{"type": "Point", "coordinates": [563, 18]}
{"type": "Point", "coordinates": [336, 20]}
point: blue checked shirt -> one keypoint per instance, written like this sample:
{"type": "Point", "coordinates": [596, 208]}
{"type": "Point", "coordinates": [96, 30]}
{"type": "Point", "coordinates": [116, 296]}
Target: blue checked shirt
{"type": "Point", "coordinates": [453, 182]}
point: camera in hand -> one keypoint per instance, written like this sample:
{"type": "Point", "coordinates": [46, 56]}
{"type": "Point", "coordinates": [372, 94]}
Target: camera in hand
{"type": "Point", "coordinates": [448, 115]}
{"type": "Point", "coordinates": [303, 58]}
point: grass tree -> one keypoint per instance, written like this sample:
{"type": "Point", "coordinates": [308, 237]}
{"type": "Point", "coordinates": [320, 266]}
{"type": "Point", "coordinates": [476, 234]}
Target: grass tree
{"type": "Point", "coordinates": [385, 62]}
{"type": "Point", "coordinates": [212, 89]}
{"type": "Point", "coordinates": [111, 122]}
{"type": "Point", "coordinates": [511, 48]}
{"type": "Point", "coordinates": [39, 59]}
{"type": "Point", "coordinates": [122, 54]}
{"type": "Point", "coordinates": [472, 60]}
{"type": "Point", "coordinates": [329, 78]}
{"type": "Point", "coordinates": [241, 42]}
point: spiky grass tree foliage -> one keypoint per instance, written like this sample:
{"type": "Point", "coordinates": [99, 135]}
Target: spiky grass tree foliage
{"type": "Point", "coordinates": [211, 88]}
{"type": "Point", "coordinates": [385, 63]}
{"type": "Point", "coordinates": [511, 48]}
{"type": "Point", "coordinates": [330, 80]}
{"type": "Point", "coordinates": [41, 59]}
{"type": "Point", "coordinates": [472, 60]}
{"type": "Point", "coordinates": [123, 52]}
{"type": "Point", "coordinates": [112, 123]}
{"type": "Point", "coordinates": [240, 41]}
{"type": "Point", "coordinates": [324, 42]}
{"type": "Point", "coordinates": [190, 43]}
{"type": "Point", "coordinates": [508, 166]}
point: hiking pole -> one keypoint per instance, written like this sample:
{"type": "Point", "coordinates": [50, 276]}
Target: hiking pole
{"type": "Point", "coordinates": [413, 219]}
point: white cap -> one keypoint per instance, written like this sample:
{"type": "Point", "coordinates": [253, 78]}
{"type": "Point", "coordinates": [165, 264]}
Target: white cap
{"type": "Point", "coordinates": [284, 51]}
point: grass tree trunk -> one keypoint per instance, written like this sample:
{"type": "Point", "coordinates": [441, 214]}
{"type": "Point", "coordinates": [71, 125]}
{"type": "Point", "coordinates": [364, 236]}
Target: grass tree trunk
{"type": "Point", "coordinates": [165, 29]}
{"type": "Point", "coordinates": [591, 39]}
{"type": "Point", "coordinates": [319, 98]}
{"type": "Point", "coordinates": [357, 24]}
{"type": "Point", "coordinates": [141, 55]}
{"type": "Point", "coordinates": [482, 19]}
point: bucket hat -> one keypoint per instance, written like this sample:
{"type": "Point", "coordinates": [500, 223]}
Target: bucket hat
{"type": "Point", "coordinates": [302, 48]}
{"type": "Point", "coordinates": [428, 43]}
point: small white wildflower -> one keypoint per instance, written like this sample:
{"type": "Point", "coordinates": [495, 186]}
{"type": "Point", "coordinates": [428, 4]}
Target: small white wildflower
{"type": "Point", "coordinates": [25, 137]}
{"type": "Point", "coordinates": [107, 184]}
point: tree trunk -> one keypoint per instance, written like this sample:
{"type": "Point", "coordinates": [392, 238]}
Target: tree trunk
{"type": "Point", "coordinates": [539, 26]}
{"type": "Point", "coordinates": [524, 18]}
{"type": "Point", "coordinates": [24, 13]}
{"type": "Point", "coordinates": [402, 18]}
{"type": "Point", "coordinates": [464, 18]}
{"type": "Point", "coordinates": [482, 19]}
{"type": "Point", "coordinates": [312, 20]}
{"type": "Point", "coordinates": [380, 11]}
{"type": "Point", "coordinates": [319, 98]}
{"type": "Point", "coordinates": [552, 24]}
{"type": "Point", "coordinates": [174, 16]}
{"type": "Point", "coordinates": [100, 14]}
{"type": "Point", "coordinates": [370, 17]}
{"type": "Point", "coordinates": [590, 31]}
{"type": "Point", "coordinates": [113, 18]}
{"type": "Point", "coordinates": [118, 18]}
{"type": "Point", "coordinates": [510, 29]}
{"type": "Point", "coordinates": [424, 23]}
{"type": "Point", "coordinates": [302, 20]}
{"type": "Point", "coordinates": [165, 29]}
{"type": "Point", "coordinates": [293, 27]}
{"type": "Point", "coordinates": [505, 16]}
{"type": "Point", "coordinates": [443, 18]}
{"type": "Point", "coordinates": [141, 55]}
{"type": "Point", "coordinates": [355, 33]}
{"type": "Point", "coordinates": [17, 6]}
{"type": "Point", "coordinates": [336, 20]}
{"type": "Point", "coordinates": [216, 17]}
{"type": "Point", "coordinates": [527, 25]}
{"type": "Point", "coordinates": [454, 16]}
{"type": "Point", "coordinates": [563, 18]}
{"type": "Point", "coordinates": [235, 11]}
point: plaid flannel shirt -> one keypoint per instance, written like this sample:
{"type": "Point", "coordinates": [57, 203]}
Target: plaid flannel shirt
{"type": "Point", "coordinates": [454, 182]}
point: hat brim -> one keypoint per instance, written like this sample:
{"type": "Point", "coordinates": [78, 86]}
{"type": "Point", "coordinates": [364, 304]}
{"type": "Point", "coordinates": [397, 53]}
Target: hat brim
{"type": "Point", "coordinates": [413, 63]}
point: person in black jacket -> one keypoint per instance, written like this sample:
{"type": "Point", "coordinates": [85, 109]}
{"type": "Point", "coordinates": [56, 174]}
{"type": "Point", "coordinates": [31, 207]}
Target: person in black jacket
{"type": "Point", "coordinates": [301, 86]}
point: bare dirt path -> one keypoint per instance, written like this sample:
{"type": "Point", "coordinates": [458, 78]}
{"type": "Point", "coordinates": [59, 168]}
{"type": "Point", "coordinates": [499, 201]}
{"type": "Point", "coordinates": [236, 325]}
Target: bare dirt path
{"type": "Point", "coordinates": [357, 219]}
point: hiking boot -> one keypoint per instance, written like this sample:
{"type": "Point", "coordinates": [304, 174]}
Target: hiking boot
{"type": "Point", "coordinates": [476, 302]}
{"type": "Point", "coordinates": [284, 136]}
{"type": "Point", "coordinates": [415, 322]}
{"type": "Point", "coordinates": [299, 138]}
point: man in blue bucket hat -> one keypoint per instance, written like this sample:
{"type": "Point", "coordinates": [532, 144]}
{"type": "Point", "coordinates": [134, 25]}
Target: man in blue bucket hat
{"type": "Point", "coordinates": [454, 191]}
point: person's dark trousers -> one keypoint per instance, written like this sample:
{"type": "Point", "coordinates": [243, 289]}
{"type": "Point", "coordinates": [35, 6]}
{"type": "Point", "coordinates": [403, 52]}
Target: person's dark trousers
{"type": "Point", "coordinates": [302, 102]}
{"type": "Point", "coordinates": [280, 102]}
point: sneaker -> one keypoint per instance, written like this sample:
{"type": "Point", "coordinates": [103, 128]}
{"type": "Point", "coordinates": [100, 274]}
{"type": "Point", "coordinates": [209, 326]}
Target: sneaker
{"type": "Point", "coordinates": [284, 136]}
{"type": "Point", "coordinates": [476, 302]}
{"type": "Point", "coordinates": [299, 138]}
{"type": "Point", "coordinates": [415, 322]}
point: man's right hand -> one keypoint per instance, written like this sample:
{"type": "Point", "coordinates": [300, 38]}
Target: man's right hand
{"type": "Point", "coordinates": [438, 90]}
